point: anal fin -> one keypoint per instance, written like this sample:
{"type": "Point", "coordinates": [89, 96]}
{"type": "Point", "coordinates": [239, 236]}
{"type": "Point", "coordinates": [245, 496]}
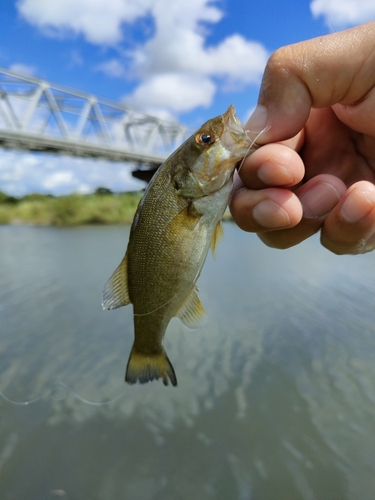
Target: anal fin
{"type": "Point", "coordinates": [116, 293]}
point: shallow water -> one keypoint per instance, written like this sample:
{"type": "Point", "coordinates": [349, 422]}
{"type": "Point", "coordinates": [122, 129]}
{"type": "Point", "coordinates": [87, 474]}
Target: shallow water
{"type": "Point", "coordinates": [276, 394]}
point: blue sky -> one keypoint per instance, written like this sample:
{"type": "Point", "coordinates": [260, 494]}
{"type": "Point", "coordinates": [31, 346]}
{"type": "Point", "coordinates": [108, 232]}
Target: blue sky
{"type": "Point", "coordinates": [181, 59]}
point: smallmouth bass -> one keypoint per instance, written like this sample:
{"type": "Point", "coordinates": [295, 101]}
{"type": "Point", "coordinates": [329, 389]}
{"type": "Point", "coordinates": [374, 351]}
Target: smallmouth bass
{"type": "Point", "coordinates": [177, 221]}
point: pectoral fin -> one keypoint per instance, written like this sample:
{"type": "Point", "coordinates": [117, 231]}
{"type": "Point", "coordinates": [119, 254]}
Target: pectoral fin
{"type": "Point", "coordinates": [217, 236]}
{"type": "Point", "coordinates": [192, 312]}
{"type": "Point", "coordinates": [115, 293]}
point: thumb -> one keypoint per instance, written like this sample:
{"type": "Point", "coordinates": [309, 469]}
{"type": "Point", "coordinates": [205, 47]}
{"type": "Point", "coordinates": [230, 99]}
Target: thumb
{"type": "Point", "coordinates": [337, 68]}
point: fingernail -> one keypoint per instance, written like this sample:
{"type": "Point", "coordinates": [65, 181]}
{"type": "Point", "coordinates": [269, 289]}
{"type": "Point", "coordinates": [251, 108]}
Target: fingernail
{"type": "Point", "coordinates": [319, 200]}
{"type": "Point", "coordinates": [357, 205]}
{"type": "Point", "coordinates": [258, 119]}
{"type": "Point", "coordinates": [267, 210]}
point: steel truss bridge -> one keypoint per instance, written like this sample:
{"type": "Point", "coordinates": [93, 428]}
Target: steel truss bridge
{"type": "Point", "coordinates": [38, 116]}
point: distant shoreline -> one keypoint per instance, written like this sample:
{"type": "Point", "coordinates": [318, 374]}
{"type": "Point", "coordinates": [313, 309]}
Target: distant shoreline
{"type": "Point", "coordinates": [71, 210]}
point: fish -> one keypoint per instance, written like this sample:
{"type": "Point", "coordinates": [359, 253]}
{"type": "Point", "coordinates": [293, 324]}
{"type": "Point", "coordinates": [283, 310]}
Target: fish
{"type": "Point", "coordinates": [176, 222]}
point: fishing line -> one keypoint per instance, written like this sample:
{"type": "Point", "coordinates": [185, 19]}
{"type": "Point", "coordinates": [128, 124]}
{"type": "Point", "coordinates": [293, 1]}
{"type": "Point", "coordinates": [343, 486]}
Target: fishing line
{"type": "Point", "coordinates": [86, 401]}
{"type": "Point", "coordinates": [22, 403]}
{"type": "Point", "coordinates": [253, 144]}
{"type": "Point", "coordinates": [67, 390]}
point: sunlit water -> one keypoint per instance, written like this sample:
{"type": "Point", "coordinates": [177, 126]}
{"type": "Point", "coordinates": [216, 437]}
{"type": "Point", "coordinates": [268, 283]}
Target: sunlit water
{"type": "Point", "coordinates": [276, 394]}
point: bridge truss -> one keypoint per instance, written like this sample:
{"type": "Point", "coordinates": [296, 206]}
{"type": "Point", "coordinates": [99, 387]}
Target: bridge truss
{"type": "Point", "coordinates": [38, 116]}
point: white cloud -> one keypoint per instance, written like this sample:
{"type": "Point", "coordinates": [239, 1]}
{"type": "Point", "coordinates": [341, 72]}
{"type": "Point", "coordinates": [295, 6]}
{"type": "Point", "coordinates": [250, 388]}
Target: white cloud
{"type": "Point", "coordinates": [22, 173]}
{"type": "Point", "coordinates": [112, 68]}
{"type": "Point", "coordinates": [237, 59]}
{"type": "Point", "coordinates": [23, 69]}
{"type": "Point", "coordinates": [59, 179]}
{"type": "Point", "coordinates": [343, 13]}
{"type": "Point", "coordinates": [176, 59]}
{"type": "Point", "coordinates": [100, 21]}
{"type": "Point", "coordinates": [176, 91]}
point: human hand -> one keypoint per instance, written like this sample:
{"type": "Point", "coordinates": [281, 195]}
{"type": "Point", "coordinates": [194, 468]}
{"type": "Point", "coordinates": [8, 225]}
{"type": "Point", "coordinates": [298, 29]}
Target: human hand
{"type": "Point", "coordinates": [316, 170]}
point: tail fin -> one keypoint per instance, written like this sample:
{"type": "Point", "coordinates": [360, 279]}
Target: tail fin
{"type": "Point", "coordinates": [146, 367]}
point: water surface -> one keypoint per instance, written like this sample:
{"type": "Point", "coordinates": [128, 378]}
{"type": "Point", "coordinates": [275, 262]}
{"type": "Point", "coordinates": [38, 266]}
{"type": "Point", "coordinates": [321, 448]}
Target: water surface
{"type": "Point", "coordinates": [276, 394]}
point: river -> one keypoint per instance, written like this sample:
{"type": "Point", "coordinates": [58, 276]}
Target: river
{"type": "Point", "coordinates": [275, 396]}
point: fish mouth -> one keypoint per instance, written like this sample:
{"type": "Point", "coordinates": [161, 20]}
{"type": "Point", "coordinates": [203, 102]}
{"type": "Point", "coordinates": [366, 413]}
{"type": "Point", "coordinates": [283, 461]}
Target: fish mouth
{"type": "Point", "coordinates": [234, 136]}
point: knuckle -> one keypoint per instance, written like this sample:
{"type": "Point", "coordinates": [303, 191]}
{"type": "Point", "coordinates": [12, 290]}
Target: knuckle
{"type": "Point", "coordinates": [281, 60]}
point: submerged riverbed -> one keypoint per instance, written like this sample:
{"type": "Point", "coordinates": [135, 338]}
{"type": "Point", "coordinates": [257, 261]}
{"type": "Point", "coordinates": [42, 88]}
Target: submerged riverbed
{"type": "Point", "coordinates": [276, 394]}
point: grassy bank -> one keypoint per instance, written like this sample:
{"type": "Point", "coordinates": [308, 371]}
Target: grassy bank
{"type": "Point", "coordinates": [69, 210]}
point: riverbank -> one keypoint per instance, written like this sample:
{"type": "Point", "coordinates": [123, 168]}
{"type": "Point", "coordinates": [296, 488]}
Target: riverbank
{"type": "Point", "coordinates": [72, 210]}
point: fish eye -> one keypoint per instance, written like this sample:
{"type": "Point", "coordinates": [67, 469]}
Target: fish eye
{"type": "Point", "coordinates": [205, 139]}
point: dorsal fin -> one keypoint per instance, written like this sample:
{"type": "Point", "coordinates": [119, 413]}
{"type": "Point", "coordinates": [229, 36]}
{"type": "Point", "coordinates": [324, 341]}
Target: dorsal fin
{"type": "Point", "coordinates": [116, 293]}
{"type": "Point", "coordinates": [216, 237]}
{"type": "Point", "coordinates": [192, 312]}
